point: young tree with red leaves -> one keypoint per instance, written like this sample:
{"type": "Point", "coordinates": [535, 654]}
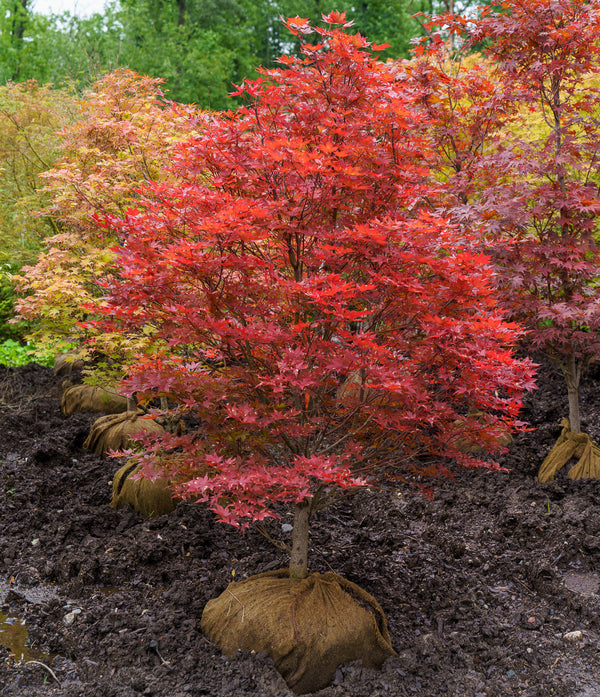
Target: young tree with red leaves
{"type": "Point", "coordinates": [319, 322]}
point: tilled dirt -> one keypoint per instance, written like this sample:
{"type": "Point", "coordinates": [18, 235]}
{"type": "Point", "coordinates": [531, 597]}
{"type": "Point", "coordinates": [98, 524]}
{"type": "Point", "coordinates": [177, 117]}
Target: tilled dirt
{"type": "Point", "coordinates": [490, 588]}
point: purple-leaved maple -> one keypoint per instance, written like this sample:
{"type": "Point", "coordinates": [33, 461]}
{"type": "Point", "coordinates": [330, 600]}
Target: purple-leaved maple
{"type": "Point", "coordinates": [544, 203]}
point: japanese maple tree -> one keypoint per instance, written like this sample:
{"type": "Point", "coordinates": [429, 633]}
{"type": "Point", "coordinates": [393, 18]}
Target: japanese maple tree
{"type": "Point", "coordinates": [30, 117]}
{"type": "Point", "coordinates": [466, 110]}
{"type": "Point", "coordinates": [120, 139]}
{"type": "Point", "coordinates": [319, 322]}
{"type": "Point", "coordinates": [543, 204]}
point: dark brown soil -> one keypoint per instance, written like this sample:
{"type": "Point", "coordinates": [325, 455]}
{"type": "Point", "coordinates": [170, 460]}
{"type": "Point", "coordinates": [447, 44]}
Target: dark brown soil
{"type": "Point", "coordinates": [483, 585]}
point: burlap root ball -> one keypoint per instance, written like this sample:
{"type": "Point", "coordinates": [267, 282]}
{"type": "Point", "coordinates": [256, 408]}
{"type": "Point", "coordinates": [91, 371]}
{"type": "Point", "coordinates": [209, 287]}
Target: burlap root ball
{"type": "Point", "coordinates": [67, 363]}
{"type": "Point", "coordinates": [115, 431]}
{"type": "Point", "coordinates": [152, 498]}
{"type": "Point", "coordinates": [92, 398]}
{"type": "Point", "coordinates": [308, 626]}
{"type": "Point", "coordinates": [465, 445]}
{"type": "Point", "coordinates": [571, 445]}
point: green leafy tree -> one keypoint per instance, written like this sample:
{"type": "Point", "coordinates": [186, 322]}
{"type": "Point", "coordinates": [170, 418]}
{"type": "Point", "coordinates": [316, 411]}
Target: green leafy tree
{"type": "Point", "coordinates": [58, 48]}
{"type": "Point", "coordinates": [15, 16]}
{"type": "Point", "coordinates": [71, 50]}
{"type": "Point", "coordinates": [30, 117]}
{"type": "Point", "coordinates": [199, 47]}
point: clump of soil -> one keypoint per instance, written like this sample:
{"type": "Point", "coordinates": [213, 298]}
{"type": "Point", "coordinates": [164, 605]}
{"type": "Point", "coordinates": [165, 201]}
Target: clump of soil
{"type": "Point", "coordinates": [490, 588]}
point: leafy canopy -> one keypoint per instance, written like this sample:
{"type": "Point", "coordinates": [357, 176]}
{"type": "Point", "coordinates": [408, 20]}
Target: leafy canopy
{"type": "Point", "coordinates": [122, 139]}
{"type": "Point", "coordinates": [544, 202]}
{"type": "Point", "coordinates": [316, 319]}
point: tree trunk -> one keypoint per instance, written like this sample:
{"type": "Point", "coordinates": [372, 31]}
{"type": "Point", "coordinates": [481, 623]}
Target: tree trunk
{"type": "Point", "coordinates": [299, 554]}
{"type": "Point", "coordinates": [132, 404]}
{"type": "Point", "coordinates": [572, 371]}
{"type": "Point", "coordinates": [181, 12]}
{"type": "Point", "coordinates": [20, 13]}
{"type": "Point", "coordinates": [574, 417]}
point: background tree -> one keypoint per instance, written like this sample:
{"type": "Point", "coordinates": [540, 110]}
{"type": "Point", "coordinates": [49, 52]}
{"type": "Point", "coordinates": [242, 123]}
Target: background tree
{"type": "Point", "coordinates": [74, 51]}
{"type": "Point", "coordinates": [516, 138]}
{"type": "Point", "coordinates": [315, 319]}
{"type": "Point", "coordinates": [545, 201]}
{"type": "Point", "coordinates": [227, 39]}
{"type": "Point", "coordinates": [199, 47]}
{"type": "Point", "coordinates": [122, 139]}
{"type": "Point", "coordinates": [15, 16]}
{"type": "Point", "coordinates": [466, 112]}
{"type": "Point", "coordinates": [61, 49]}
{"type": "Point", "coordinates": [30, 118]}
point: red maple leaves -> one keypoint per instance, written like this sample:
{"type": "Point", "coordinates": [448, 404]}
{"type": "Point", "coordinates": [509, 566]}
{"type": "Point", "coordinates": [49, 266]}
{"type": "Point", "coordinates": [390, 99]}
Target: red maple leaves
{"type": "Point", "coordinates": [318, 321]}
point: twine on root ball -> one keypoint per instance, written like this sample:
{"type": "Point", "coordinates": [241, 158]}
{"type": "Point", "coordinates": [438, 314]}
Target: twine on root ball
{"type": "Point", "coordinates": [570, 445]}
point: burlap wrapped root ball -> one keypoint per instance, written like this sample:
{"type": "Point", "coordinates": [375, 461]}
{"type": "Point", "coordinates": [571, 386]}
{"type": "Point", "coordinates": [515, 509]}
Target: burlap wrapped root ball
{"type": "Point", "coordinates": [354, 390]}
{"type": "Point", "coordinates": [152, 498]}
{"type": "Point", "coordinates": [571, 445]}
{"type": "Point", "coordinates": [309, 627]}
{"type": "Point", "coordinates": [116, 431]}
{"type": "Point", "coordinates": [466, 445]}
{"type": "Point", "coordinates": [92, 398]}
{"type": "Point", "coordinates": [66, 364]}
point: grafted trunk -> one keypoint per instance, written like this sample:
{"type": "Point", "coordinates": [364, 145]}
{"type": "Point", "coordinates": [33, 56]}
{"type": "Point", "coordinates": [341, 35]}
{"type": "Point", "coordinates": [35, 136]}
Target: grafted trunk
{"type": "Point", "coordinates": [572, 370]}
{"type": "Point", "coordinates": [299, 553]}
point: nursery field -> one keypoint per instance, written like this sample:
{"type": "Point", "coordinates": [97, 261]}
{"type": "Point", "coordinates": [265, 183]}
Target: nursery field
{"type": "Point", "coordinates": [491, 587]}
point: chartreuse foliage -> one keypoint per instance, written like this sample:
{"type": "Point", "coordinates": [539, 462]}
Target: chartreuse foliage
{"type": "Point", "coordinates": [316, 317]}
{"type": "Point", "coordinates": [30, 117]}
{"type": "Point", "coordinates": [123, 139]}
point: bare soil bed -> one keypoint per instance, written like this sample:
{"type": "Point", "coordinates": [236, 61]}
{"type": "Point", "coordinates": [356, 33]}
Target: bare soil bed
{"type": "Point", "coordinates": [490, 588]}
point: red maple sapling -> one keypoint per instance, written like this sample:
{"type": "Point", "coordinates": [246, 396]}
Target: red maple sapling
{"type": "Point", "coordinates": [319, 322]}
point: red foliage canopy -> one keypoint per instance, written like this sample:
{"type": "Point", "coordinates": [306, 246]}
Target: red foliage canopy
{"type": "Point", "coordinates": [319, 322]}
{"type": "Point", "coordinates": [547, 201]}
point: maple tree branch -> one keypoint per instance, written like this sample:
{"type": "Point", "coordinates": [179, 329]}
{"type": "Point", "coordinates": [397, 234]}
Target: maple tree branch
{"type": "Point", "coordinates": [278, 544]}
